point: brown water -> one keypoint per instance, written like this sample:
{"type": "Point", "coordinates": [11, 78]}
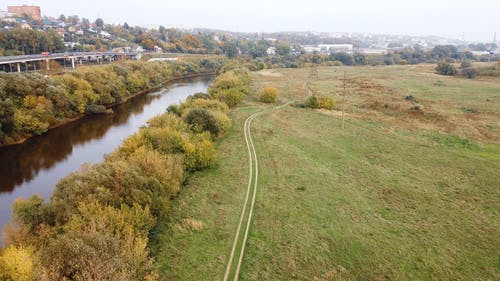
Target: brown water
{"type": "Point", "coordinates": [35, 166]}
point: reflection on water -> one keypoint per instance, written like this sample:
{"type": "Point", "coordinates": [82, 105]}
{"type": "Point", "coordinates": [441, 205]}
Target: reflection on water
{"type": "Point", "coordinates": [24, 161]}
{"type": "Point", "coordinates": [37, 165]}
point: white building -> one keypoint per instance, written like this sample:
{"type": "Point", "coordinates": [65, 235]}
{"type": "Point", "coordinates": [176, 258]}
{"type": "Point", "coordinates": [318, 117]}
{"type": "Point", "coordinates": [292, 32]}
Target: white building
{"type": "Point", "coordinates": [105, 34]}
{"type": "Point", "coordinates": [157, 49]}
{"type": "Point", "coordinates": [336, 48]}
{"type": "Point", "coordinates": [5, 14]}
{"type": "Point", "coordinates": [329, 48]}
{"type": "Point", "coordinates": [271, 51]}
{"type": "Point", "coordinates": [310, 49]}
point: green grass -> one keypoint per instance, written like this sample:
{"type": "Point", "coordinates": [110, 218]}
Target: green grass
{"type": "Point", "coordinates": [369, 204]}
{"type": "Point", "coordinates": [375, 202]}
{"type": "Point", "coordinates": [213, 197]}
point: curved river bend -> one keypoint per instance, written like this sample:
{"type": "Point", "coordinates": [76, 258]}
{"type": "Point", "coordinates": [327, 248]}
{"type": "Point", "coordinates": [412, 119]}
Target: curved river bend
{"type": "Point", "coordinates": [36, 166]}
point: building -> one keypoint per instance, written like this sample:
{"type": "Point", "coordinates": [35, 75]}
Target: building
{"type": "Point", "coordinates": [329, 48]}
{"type": "Point", "coordinates": [5, 14]}
{"type": "Point", "coordinates": [336, 48]}
{"type": "Point", "coordinates": [31, 11]}
{"type": "Point", "coordinates": [310, 49]}
{"type": "Point", "coordinates": [157, 49]}
{"type": "Point", "coordinates": [271, 51]}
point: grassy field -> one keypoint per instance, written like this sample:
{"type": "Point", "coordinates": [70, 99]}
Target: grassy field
{"type": "Point", "coordinates": [409, 191]}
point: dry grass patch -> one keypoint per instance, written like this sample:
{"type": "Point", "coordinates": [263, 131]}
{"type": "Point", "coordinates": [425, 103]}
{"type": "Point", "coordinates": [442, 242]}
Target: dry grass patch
{"type": "Point", "coordinates": [187, 225]}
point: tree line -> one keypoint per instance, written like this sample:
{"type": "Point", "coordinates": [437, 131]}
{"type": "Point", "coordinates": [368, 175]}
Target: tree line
{"type": "Point", "coordinates": [30, 103]}
{"type": "Point", "coordinates": [21, 41]}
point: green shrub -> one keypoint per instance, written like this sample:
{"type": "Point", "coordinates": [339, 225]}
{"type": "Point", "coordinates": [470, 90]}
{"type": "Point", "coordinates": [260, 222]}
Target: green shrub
{"type": "Point", "coordinates": [268, 95]}
{"type": "Point", "coordinates": [101, 243]}
{"type": "Point", "coordinates": [165, 140]}
{"type": "Point", "coordinates": [26, 124]}
{"type": "Point", "coordinates": [199, 95]}
{"type": "Point", "coordinates": [325, 103]}
{"type": "Point", "coordinates": [200, 152]}
{"type": "Point", "coordinates": [465, 64]}
{"type": "Point", "coordinates": [200, 120]}
{"type": "Point", "coordinates": [209, 104]}
{"type": "Point", "coordinates": [96, 109]}
{"type": "Point", "coordinates": [168, 121]}
{"type": "Point", "coordinates": [19, 264]}
{"type": "Point", "coordinates": [231, 96]}
{"type": "Point", "coordinates": [223, 121]}
{"type": "Point", "coordinates": [470, 72]}
{"type": "Point", "coordinates": [231, 86]}
{"type": "Point", "coordinates": [320, 102]}
{"type": "Point", "coordinates": [174, 108]}
{"type": "Point", "coordinates": [311, 102]}
{"type": "Point", "coordinates": [445, 68]}
{"type": "Point", "coordinates": [31, 212]}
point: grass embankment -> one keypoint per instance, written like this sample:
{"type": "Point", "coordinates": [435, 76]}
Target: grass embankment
{"type": "Point", "coordinates": [409, 191]}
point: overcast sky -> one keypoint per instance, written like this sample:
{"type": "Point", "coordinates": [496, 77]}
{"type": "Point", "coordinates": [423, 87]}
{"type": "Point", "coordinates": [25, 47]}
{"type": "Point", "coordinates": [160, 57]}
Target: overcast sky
{"type": "Point", "coordinates": [475, 20]}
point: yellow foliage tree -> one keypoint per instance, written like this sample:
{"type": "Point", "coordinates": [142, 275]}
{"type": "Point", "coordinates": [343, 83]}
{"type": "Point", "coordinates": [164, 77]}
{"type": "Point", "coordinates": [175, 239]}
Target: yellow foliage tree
{"type": "Point", "coordinates": [18, 264]}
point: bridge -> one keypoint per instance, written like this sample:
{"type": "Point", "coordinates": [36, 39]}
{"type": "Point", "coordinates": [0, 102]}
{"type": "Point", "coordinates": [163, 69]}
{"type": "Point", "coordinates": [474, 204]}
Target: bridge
{"type": "Point", "coordinates": [18, 63]}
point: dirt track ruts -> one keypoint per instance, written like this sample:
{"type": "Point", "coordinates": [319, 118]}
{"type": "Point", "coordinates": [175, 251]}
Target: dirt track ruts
{"type": "Point", "coordinates": [253, 177]}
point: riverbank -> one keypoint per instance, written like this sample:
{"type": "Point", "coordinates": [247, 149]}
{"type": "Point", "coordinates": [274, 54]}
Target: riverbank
{"type": "Point", "coordinates": [35, 167]}
{"type": "Point", "coordinates": [80, 116]}
{"type": "Point", "coordinates": [103, 215]}
{"type": "Point", "coordinates": [32, 103]}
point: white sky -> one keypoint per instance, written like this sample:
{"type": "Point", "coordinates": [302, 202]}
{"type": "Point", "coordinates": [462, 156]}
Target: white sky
{"type": "Point", "coordinates": [476, 20]}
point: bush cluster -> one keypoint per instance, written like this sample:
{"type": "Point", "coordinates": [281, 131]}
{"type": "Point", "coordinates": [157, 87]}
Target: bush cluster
{"type": "Point", "coordinates": [231, 86]}
{"type": "Point", "coordinates": [30, 103]}
{"type": "Point", "coordinates": [98, 222]}
{"type": "Point", "coordinates": [320, 102]}
{"type": "Point", "coordinates": [268, 95]}
{"type": "Point", "coordinates": [470, 72]}
{"type": "Point", "coordinates": [445, 68]}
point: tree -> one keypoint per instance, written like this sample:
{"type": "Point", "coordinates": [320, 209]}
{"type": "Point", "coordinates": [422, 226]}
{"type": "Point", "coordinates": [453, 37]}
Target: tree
{"type": "Point", "coordinates": [344, 58]}
{"type": "Point", "coordinates": [465, 64]}
{"type": "Point", "coordinates": [73, 19]}
{"type": "Point", "coordinates": [230, 49]}
{"type": "Point", "coordinates": [26, 41]}
{"type": "Point", "coordinates": [470, 72]}
{"type": "Point", "coordinates": [99, 22]}
{"type": "Point", "coordinates": [445, 68]}
{"type": "Point", "coordinates": [442, 52]}
{"type": "Point", "coordinates": [359, 59]}
{"type": "Point", "coordinates": [283, 49]}
{"type": "Point", "coordinates": [19, 264]}
{"type": "Point", "coordinates": [201, 120]}
{"type": "Point", "coordinates": [85, 23]}
{"type": "Point", "coordinates": [268, 95]}
{"type": "Point", "coordinates": [259, 49]}
{"type": "Point", "coordinates": [6, 117]}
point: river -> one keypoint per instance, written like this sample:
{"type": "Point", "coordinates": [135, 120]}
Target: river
{"type": "Point", "coordinates": [36, 166]}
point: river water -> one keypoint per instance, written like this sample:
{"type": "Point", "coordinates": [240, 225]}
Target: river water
{"type": "Point", "coordinates": [36, 166]}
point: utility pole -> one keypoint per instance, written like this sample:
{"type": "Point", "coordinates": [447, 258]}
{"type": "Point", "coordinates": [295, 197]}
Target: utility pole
{"type": "Point", "coordinates": [343, 104]}
{"type": "Point", "coordinates": [490, 50]}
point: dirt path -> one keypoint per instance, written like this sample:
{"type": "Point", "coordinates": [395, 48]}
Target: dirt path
{"type": "Point", "coordinates": [240, 240]}
{"type": "Point", "coordinates": [252, 177]}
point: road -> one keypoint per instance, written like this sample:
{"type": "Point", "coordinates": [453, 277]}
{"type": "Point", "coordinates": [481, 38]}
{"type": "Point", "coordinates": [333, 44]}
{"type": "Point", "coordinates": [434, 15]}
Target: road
{"type": "Point", "coordinates": [26, 58]}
